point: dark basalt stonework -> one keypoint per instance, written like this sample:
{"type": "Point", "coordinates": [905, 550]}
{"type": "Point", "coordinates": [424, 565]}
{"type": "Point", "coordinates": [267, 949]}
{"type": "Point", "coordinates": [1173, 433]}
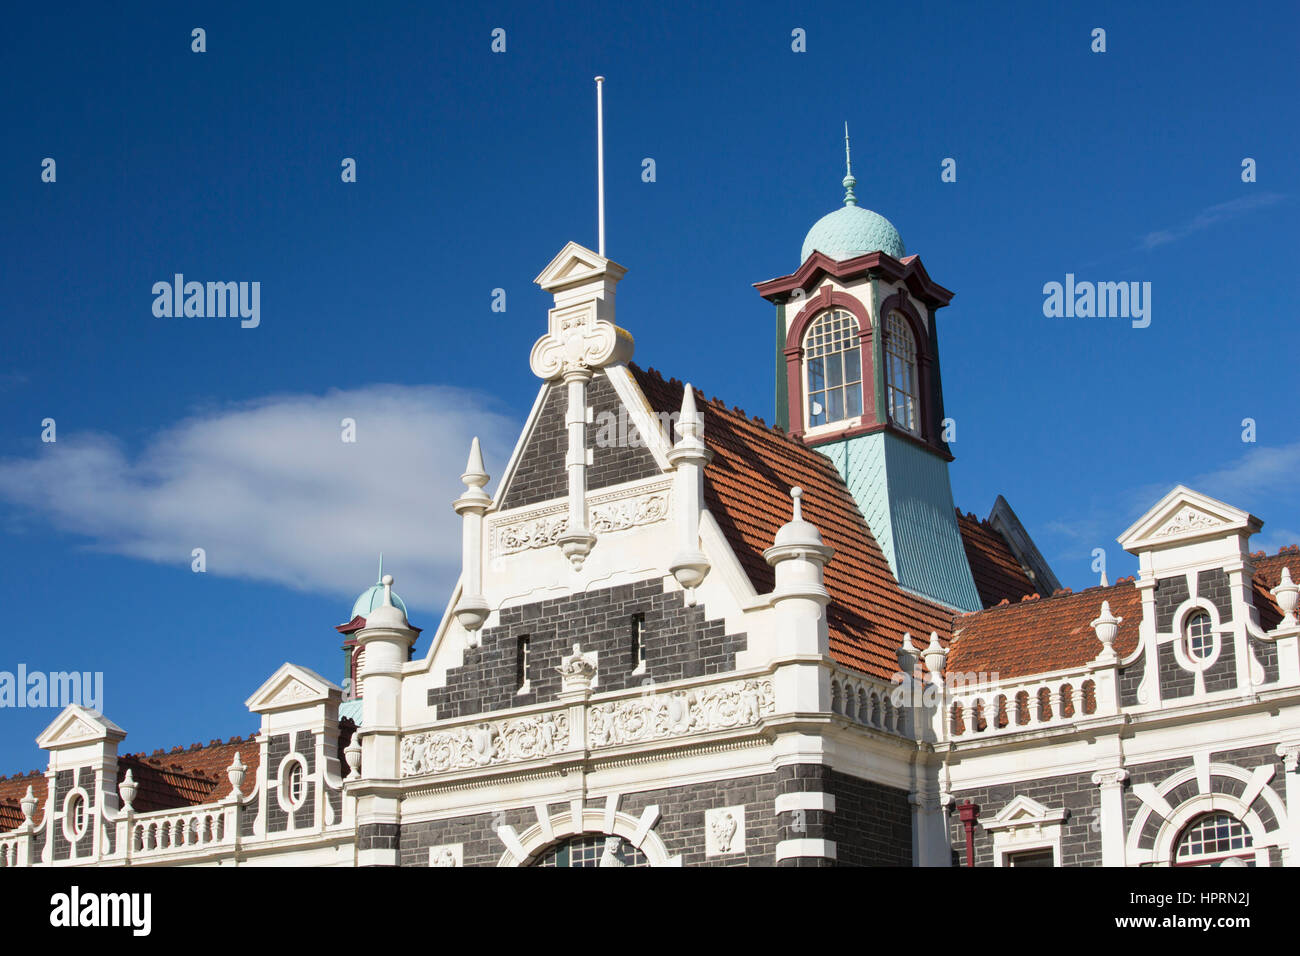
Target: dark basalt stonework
{"type": "Point", "coordinates": [679, 643]}
{"type": "Point", "coordinates": [541, 474]}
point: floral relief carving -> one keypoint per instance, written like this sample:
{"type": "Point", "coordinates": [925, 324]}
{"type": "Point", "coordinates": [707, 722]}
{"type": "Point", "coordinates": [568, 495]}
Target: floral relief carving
{"type": "Point", "coordinates": [617, 512]}
{"type": "Point", "coordinates": [1188, 519]}
{"type": "Point", "coordinates": [500, 741]}
{"type": "Point", "coordinates": [680, 712]}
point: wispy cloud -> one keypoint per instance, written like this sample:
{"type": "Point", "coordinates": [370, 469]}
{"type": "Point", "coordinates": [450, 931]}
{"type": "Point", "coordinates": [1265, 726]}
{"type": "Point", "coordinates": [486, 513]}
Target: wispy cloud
{"type": "Point", "coordinates": [1258, 472]}
{"type": "Point", "coordinates": [270, 491]}
{"type": "Point", "coordinates": [1208, 217]}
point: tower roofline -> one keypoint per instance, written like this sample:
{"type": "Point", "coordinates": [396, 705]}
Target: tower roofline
{"type": "Point", "coordinates": [909, 270]}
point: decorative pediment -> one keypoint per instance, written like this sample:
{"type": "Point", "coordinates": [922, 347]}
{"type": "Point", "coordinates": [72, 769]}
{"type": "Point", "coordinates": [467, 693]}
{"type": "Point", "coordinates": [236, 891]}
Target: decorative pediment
{"type": "Point", "coordinates": [575, 265]}
{"type": "Point", "coordinates": [1024, 812]}
{"type": "Point", "coordinates": [581, 336]}
{"type": "Point", "coordinates": [291, 686]}
{"type": "Point", "coordinates": [76, 725]}
{"type": "Point", "coordinates": [1186, 515]}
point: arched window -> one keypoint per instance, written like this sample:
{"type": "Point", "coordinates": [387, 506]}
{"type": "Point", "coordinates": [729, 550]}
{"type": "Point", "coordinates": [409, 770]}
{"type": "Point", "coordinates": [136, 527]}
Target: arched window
{"type": "Point", "coordinates": [833, 366]}
{"type": "Point", "coordinates": [592, 849]}
{"type": "Point", "coordinates": [1199, 635]}
{"type": "Point", "coordinates": [902, 392]}
{"type": "Point", "coordinates": [1215, 839]}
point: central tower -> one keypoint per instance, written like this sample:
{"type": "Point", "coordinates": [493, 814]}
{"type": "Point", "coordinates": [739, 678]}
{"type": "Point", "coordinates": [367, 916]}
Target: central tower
{"type": "Point", "coordinates": [857, 377]}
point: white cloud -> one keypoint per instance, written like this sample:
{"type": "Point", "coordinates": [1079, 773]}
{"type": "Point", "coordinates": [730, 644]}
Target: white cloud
{"type": "Point", "coordinates": [272, 493]}
{"type": "Point", "coordinates": [1207, 217]}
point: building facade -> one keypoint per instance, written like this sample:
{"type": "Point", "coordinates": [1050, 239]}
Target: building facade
{"type": "Point", "coordinates": [682, 636]}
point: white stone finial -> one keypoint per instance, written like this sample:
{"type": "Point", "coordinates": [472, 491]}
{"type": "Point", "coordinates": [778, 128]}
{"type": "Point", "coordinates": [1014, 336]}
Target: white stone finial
{"type": "Point", "coordinates": [28, 803]}
{"type": "Point", "coordinates": [127, 790]}
{"type": "Point", "coordinates": [1106, 626]}
{"type": "Point", "coordinates": [1288, 596]}
{"type": "Point", "coordinates": [387, 582]}
{"type": "Point", "coordinates": [935, 654]}
{"type": "Point", "coordinates": [235, 774]}
{"type": "Point", "coordinates": [795, 494]}
{"type": "Point", "coordinates": [353, 754]}
{"type": "Point", "coordinates": [476, 475]}
{"type": "Point", "coordinates": [907, 655]}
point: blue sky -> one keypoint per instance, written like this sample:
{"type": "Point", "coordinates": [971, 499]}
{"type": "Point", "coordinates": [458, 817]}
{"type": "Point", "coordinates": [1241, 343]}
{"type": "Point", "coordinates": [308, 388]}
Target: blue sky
{"type": "Point", "coordinates": [473, 170]}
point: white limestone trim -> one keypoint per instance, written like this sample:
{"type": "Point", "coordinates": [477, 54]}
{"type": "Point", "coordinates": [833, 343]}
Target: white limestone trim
{"type": "Point", "coordinates": [805, 800]}
{"type": "Point", "coordinates": [1201, 763]}
{"type": "Point", "coordinates": [281, 783]}
{"type": "Point", "coordinates": [642, 415]}
{"type": "Point", "coordinates": [635, 504]}
{"type": "Point", "coordinates": [1151, 797]}
{"type": "Point", "coordinates": [447, 854]}
{"type": "Point", "coordinates": [1176, 818]}
{"type": "Point", "coordinates": [514, 848]}
{"type": "Point", "coordinates": [1197, 666]}
{"type": "Point", "coordinates": [1261, 839]}
{"type": "Point", "coordinates": [70, 833]}
{"type": "Point", "coordinates": [1024, 825]}
{"type": "Point", "coordinates": [639, 831]}
{"type": "Point", "coordinates": [794, 849]}
{"type": "Point", "coordinates": [376, 857]}
{"type": "Point", "coordinates": [724, 831]}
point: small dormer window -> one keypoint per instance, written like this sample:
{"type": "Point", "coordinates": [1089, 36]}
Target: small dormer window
{"type": "Point", "coordinates": [833, 368]}
{"type": "Point", "coordinates": [902, 393]}
{"type": "Point", "coordinates": [1200, 636]}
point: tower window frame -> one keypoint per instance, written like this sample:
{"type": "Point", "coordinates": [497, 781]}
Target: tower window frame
{"type": "Point", "coordinates": [833, 386]}
{"type": "Point", "coordinates": [902, 374]}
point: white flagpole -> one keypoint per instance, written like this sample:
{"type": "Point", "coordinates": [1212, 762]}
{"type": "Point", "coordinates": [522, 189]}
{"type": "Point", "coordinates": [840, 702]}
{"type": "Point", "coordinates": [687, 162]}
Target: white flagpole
{"type": "Point", "coordinates": [600, 161]}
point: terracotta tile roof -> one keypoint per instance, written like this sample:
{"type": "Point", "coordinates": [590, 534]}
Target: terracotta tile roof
{"type": "Point", "coordinates": [998, 575]}
{"type": "Point", "coordinates": [1042, 634]}
{"type": "Point", "coordinates": [1045, 634]}
{"type": "Point", "coordinates": [11, 792]}
{"type": "Point", "coordinates": [1268, 571]}
{"type": "Point", "coordinates": [747, 488]}
{"type": "Point", "coordinates": [188, 777]}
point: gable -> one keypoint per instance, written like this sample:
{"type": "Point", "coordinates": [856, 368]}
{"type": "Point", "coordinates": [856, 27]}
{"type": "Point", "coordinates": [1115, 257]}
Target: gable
{"type": "Point", "coordinates": [1186, 515]}
{"type": "Point", "coordinates": [613, 448]}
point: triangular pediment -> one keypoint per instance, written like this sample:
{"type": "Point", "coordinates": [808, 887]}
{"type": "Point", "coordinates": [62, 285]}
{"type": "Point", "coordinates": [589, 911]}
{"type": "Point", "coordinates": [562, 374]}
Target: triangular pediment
{"type": "Point", "coordinates": [1186, 515]}
{"type": "Point", "coordinates": [76, 725]}
{"type": "Point", "coordinates": [576, 264]}
{"type": "Point", "coordinates": [1022, 811]}
{"type": "Point", "coordinates": [291, 686]}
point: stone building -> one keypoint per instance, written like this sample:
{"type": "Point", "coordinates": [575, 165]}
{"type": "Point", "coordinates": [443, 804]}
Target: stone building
{"type": "Point", "coordinates": [682, 636]}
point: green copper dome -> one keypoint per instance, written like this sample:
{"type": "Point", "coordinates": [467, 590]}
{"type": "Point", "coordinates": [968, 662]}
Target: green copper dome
{"type": "Point", "coordinates": [373, 596]}
{"type": "Point", "coordinates": [852, 231]}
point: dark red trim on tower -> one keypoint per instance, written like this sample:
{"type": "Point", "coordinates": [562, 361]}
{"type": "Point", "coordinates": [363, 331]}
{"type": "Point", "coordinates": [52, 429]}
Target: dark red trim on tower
{"type": "Point", "coordinates": [909, 270]}
{"type": "Point", "coordinates": [825, 298]}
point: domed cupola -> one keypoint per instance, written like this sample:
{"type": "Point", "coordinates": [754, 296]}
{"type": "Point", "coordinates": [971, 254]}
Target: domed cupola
{"type": "Point", "coordinates": [852, 230]}
{"type": "Point", "coordinates": [373, 596]}
{"type": "Point", "coordinates": [857, 378]}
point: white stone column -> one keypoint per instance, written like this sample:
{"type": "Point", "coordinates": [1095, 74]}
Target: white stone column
{"type": "Point", "coordinates": [1290, 754]}
{"type": "Point", "coordinates": [1113, 829]}
{"type": "Point", "coordinates": [577, 541]}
